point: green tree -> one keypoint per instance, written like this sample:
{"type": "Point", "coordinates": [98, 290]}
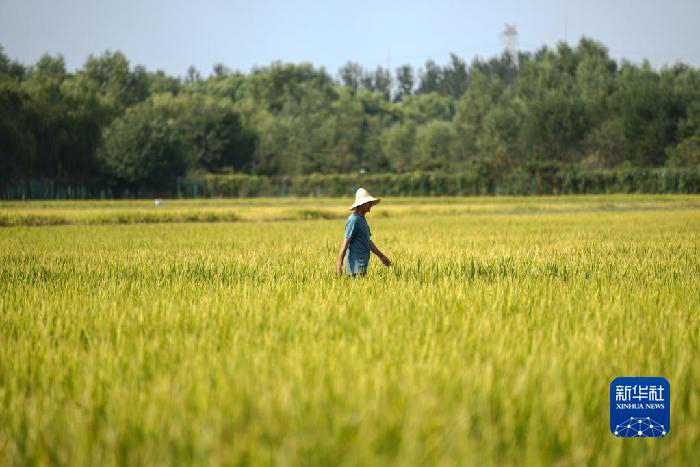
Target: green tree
{"type": "Point", "coordinates": [554, 125]}
{"type": "Point", "coordinates": [193, 75]}
{"type": "Point", "coordinates": [455, 78]}
{"type": "Point", "coordinates": [405, 79]}
{"type": "Point", "coordinates": [649, 113]}
{"type": "Point", "coordinates": [434, 143]}
{"type": "Point", "coordinates": [70, 119]}
{"type": "Point", "coordinates": [281, 84]}
{"type": "Point", "coordinates": [10, 68]}
{"type": "Point", "coordinates": [159, 83]}
{"type": "Point", "coordinates": [499, 141]}
{"type": "Point", "coordinates": [351, 75]}
{"type": "Point", "coordinates": [595, 79]}
{"type": "Point", "coordinates": [111, 77]}
{"type": "Point", "coordinates": [187, 131]}
{"type": "Point", "coordinates": [423, 108]}
{"type": "Point", "coordinates": [604, 146]}
{"type": "Point", "coordinates": [211, 131]}
{"type": "Point", "coordinates": [430, 78]}
{"type": "Point", "coordinates": [378, 81]}
{"type": "Point", "coordinates": [399, 146]}
{"type": "Point", "coordinates": [220, 71]}
{"type": "Point", "coordinates": [143, 147]}
{"type": "Point", "coordinates": [686, 153]}
{"type": "Point", "coordinates": [17, 140]}
{"type": "Point", "coordinates": [480, 98]}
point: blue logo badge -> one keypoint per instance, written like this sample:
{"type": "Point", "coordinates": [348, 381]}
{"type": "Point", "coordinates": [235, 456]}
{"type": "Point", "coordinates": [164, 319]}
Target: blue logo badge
{"type": "Point", "coordinates": [640, 407]}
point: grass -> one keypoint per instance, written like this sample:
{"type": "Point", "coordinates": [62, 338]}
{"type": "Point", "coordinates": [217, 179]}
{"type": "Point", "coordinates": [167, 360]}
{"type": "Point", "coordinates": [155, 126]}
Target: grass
{"type": "Point", "coordinates": [492, 340]}
{"type": "Point", "coordinates": [96, 212]}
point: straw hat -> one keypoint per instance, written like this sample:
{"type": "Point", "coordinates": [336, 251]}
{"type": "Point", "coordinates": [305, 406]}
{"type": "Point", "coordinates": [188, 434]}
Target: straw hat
{"type": "Point", "coordinates": [361, 197]}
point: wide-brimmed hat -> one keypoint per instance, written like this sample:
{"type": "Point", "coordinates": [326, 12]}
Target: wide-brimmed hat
{"type": "Point", "coordinates": [361, 197]}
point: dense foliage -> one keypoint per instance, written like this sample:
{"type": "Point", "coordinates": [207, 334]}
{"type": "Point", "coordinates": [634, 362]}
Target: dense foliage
{"type": "Point", "coordinates": [537, 180]}
{"type": "Point", "coordinates": [110, 124]}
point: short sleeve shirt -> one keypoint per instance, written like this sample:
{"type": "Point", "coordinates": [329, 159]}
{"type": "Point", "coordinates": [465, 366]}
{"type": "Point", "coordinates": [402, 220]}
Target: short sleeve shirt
{"type": "Point", "coordinates": [357, 230]}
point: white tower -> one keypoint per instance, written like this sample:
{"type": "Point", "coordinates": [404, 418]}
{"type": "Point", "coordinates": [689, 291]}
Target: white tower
{"type": "Point", "coordinates": [509, 36]}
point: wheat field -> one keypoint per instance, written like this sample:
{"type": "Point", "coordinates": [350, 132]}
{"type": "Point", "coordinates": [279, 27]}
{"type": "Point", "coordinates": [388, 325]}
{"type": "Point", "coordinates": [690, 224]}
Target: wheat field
{"type": "Point", "coordinates": [136, 336]}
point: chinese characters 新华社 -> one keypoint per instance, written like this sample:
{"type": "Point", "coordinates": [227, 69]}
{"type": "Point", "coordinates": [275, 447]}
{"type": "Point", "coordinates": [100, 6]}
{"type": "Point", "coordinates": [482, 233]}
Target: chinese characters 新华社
{"type": "Point", "coordinates": [639, 392]}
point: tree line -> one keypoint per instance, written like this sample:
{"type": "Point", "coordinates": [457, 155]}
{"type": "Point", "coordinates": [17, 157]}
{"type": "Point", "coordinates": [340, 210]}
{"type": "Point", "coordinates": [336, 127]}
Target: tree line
{"type": "Point", "coordinates": [112, 124]}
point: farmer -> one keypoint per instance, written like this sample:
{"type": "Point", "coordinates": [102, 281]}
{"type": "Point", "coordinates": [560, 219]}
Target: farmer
{"type": "Point", "coordinates": [357, 243]}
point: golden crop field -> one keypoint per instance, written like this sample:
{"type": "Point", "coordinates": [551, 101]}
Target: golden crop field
{"type": "Point", "coordinates": [215, 332]}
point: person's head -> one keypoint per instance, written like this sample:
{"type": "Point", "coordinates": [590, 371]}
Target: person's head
{"type": "Point", "coordinates": [363, 209]}
{"type": "Point", "coordinates": [363, 202]}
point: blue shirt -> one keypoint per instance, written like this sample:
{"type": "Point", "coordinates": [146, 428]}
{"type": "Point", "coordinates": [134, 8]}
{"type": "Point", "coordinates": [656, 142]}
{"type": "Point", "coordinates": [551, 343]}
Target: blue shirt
{"type": "Point", "coordinates": [357, 230]}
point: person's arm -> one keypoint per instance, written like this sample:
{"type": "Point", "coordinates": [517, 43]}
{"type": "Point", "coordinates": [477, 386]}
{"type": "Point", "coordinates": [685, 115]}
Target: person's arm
{"type": "Point", "coordinates": [375, 250]}
{"type": "Point", "coordinates": [341, 255]}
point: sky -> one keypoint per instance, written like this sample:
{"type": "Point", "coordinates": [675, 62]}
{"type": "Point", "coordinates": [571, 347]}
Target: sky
{"type": "Point", "coordinates": [173, 34]}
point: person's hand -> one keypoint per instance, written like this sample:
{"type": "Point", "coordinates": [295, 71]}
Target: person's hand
{"type": "Point", "coordinates": [339, 269]}
{"type": "Point", "coordinates": [385, 260]}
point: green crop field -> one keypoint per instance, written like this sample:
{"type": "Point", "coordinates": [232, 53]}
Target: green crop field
{"type": "Point", "coordinates": [215, 332]}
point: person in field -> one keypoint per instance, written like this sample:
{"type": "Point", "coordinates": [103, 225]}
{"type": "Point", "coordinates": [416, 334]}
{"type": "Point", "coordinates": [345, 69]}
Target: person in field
{"type": "Point", "coordinates": [357, 243]}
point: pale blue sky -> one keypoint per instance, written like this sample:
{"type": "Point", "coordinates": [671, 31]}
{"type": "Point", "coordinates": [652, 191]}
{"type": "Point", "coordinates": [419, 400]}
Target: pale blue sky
{"type": "Point", "coordinates": [173, 34]}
